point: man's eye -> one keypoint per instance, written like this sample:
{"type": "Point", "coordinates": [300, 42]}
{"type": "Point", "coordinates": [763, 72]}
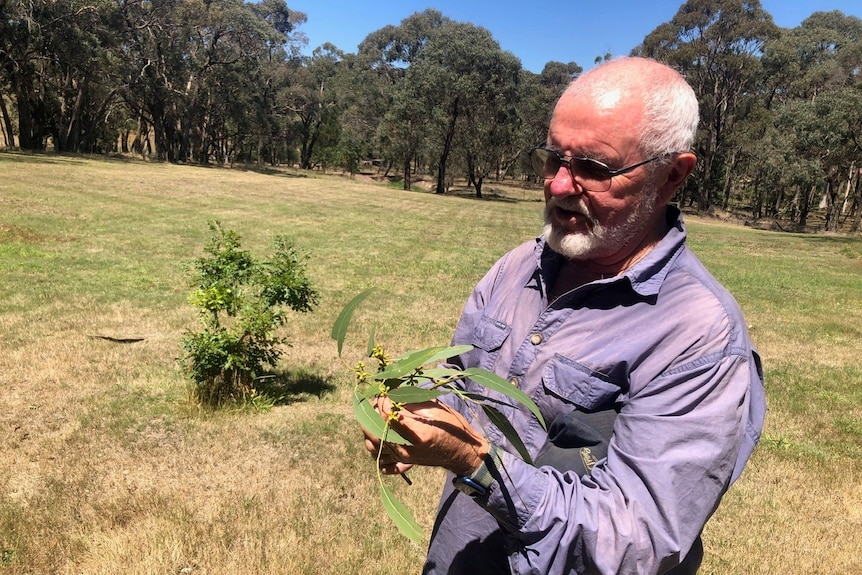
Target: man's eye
{"type": "Point", "coordinates": [592, 170]}
{"type": "Point", "coordinates": [553, 163]}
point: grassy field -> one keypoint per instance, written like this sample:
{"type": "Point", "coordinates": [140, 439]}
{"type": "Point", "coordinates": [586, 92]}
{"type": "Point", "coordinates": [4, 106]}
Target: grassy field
{"type": "Point", "coordinates": [107, 467]}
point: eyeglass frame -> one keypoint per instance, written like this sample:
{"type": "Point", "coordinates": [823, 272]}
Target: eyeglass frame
{"type": "Point", "coordinates": [567, 161]}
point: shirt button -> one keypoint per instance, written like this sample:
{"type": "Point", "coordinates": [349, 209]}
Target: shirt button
{"type": "Point", "coordinates": [536, 338]}
{"type": "Point", "coordinates": [514, 381]}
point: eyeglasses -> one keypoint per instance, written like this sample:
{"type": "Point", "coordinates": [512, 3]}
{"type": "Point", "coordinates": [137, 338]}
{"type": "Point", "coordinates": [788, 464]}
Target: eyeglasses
{"type": "Point", "coordinates": [591, 175]}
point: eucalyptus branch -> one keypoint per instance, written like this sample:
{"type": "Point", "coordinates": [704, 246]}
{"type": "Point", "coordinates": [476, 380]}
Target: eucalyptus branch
{"type": "Point", "coordinates": [407, 380]}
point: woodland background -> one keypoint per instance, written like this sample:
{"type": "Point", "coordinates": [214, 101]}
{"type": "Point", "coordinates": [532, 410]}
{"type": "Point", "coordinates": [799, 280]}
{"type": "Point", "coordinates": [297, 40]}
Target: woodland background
{"type": "Point", "coordinates": [220, 82]}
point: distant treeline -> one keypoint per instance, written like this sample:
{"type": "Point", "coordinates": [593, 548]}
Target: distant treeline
{"type": "Point", "coordinates": [224, 81]}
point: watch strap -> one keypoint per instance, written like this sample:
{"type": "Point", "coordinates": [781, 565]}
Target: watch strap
{"type": "Point", "coordinates": [480, 481]}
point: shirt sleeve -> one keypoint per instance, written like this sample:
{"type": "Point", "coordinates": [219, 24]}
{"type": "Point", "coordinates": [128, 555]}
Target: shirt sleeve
{"type": "Point", "coordinates": [670, 460]}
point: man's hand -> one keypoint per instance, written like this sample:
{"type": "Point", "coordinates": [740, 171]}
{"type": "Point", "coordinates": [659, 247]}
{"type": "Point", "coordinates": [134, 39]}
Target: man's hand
{"type": "Point", "coordinates": [440, 436]}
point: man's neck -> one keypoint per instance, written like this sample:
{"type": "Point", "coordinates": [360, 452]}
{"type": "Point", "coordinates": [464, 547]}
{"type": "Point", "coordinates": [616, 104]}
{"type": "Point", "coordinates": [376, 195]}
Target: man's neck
{"type": "Point", "coordinates": [575, 273]}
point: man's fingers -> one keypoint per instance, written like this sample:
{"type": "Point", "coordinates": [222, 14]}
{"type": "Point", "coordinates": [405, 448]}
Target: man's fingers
{"type": "Point", "coordinates": [371, 446]}
{"type": "Point", "coordinates": [389, 455]}
{"type": "Point", "coordinates": [396, 468]}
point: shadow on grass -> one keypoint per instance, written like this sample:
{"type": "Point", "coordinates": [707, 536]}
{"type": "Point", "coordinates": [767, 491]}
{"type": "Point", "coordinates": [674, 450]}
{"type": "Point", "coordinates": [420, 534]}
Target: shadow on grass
{"type": "Point", "coordinates": [268, 170]}
{"type": "Point", "coordinates": [43, 157]}
{"type": "Point", "coordinates": [490, 194]}
{"type": "Point", "coordinates": [842, 240]}
{"type": "Point", "coordinates": [293, 386]}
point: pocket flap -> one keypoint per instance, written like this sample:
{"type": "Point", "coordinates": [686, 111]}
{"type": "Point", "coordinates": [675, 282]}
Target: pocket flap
{"type": "Point", "coordinates": [490, 333]}
{"type": "Point", "coordinates": [577, 384]}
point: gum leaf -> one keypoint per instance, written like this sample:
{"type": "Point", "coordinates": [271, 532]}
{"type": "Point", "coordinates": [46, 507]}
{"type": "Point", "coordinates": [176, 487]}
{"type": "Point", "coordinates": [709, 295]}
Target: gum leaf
{"type": "Point", "coordinates": [400, 515]}
{"type": "Point", "coordinates": [373, 422]}
{"type": "Point", "coordinates": [495, 382]}
{"type": "Point", "coordinates": [339, 328]}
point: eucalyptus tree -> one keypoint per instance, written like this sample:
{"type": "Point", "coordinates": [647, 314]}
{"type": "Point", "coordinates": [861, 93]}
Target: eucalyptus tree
{"type": "Point", "coordinates": [401, 119]}
{"type": "Point", "coordinates": [816, 95]}
{"type": "Point", "coordinates": [22, 31]}
{"type": "Point", "coordinates": [395, 48]}
{"type": "Point", "coordinates": [358, 93]}
{"type": "Point", "coordinates": [461, 68]}
{"type": "Point", "coordinates": [311, 97]}
{"type": "Point", "coordinates": [556, 76]}
{"type": "Point", "coordinates": [155, 68]}
{"type": "Point", "coordinates": [717, 45]}
{"type": "Point", "coordinates": [491, 121]}
{"type": "Point", "coordinates": [57, 91]}
{"type": "Point", "coordinates": [402, 131]}
{"type": "Point", "coordinates": [826, 134]}
{"type": "Point", "coordinates": [86, 108]}
{"type": "Point", "coordinates": [191, 70]}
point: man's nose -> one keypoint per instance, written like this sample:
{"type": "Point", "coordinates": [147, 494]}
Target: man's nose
{"type": "Point", "coordinates": [563, 184]}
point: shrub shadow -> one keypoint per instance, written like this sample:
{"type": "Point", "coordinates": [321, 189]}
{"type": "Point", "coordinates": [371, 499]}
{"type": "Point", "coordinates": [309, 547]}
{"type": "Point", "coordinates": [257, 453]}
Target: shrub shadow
{"type": "Point", "coordinates": [290, 386]}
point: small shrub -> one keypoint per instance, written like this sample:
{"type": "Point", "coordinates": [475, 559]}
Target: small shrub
{"type": "Point", "coordinates": [242, 302]}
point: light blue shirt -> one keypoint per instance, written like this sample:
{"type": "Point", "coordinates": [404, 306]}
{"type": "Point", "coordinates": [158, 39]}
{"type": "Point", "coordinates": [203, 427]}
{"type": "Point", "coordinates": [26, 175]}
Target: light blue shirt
{"type": "Point", "coordinates": [666, 343]}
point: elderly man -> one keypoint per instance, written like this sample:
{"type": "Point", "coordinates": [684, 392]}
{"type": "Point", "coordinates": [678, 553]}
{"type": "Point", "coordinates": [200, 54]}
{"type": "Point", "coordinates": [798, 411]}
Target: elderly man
{"type": "Point", "coordinates": [607, 312]}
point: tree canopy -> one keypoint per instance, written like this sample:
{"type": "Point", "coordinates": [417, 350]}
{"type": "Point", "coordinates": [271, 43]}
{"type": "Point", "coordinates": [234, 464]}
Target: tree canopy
{"type": "Point", "coordinates": [225, 81]}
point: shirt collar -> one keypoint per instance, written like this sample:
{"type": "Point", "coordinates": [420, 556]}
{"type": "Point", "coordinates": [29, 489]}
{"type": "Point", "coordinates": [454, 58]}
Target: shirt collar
{"type": "Point", "coordinates": [646, 276]}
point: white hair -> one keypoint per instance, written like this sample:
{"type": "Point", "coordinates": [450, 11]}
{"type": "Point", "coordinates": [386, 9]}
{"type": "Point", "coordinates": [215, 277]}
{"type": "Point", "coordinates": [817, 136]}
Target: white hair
{"type": "Point", "coordinates": [670, 105]}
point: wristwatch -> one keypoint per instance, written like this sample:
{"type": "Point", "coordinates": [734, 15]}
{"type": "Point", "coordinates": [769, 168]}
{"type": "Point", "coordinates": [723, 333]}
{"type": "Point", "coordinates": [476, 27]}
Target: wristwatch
{"type": "Point", "coordinates": [478, 484]}
{"type": "Point", "coordinates": [471, 487]}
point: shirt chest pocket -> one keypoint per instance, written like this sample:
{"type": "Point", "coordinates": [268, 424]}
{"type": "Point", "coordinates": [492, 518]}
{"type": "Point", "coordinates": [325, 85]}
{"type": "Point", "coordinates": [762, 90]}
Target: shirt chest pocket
{"type": "Point", "coordinates": [577, 384]}
{"type": "Point", "coordinates": [489, 334]}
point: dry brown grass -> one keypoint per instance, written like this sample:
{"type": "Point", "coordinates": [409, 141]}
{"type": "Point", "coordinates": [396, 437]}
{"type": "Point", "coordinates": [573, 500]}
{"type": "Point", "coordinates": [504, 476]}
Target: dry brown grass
{"type": "Point", "coordinates": [107, 468]}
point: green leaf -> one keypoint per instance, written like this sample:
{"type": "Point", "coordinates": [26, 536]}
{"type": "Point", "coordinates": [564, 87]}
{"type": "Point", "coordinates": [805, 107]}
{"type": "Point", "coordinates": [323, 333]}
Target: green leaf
{"type": "Point", "coordinates": [447, 352]}
{"type": "Point", "coordinates": [408, 363]}
{"type": "Point", "coordinates": [370, 419]}
{"type": "Point", "coordinates": [374, 390]}
{"type": "Point", "coordinates": [370, 348]}
{"type": "Point", "coordinates": [437, 353]}
{"type": "Point", "coordinates": [508, 430]}
{"type": "Point", "coordinates": [339, 328]}
{"type": "Point", "coordinates": [440, 373]}
{"type": "Point", "coordinates": [413, 394]}
{"type": "Point", "coordinates": [400, 515]}
{"type": "Point", "coordinates": [495, 382]}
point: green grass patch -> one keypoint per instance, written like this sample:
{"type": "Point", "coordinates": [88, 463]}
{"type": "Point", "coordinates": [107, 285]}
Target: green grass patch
{"type": "Point", "coordinates": [109, 469]}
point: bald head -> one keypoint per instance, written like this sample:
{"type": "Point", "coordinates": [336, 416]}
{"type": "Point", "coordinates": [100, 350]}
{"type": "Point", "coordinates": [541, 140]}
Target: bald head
{"type": "Point", "coordinates": [669, 105]}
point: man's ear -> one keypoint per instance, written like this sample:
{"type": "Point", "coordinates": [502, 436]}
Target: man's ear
{"type": "Point", "coordinates": [679, 170]}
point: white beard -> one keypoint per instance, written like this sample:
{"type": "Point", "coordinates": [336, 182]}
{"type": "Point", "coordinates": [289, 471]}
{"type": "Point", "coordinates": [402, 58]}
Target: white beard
{"type": "Point", "coordinates": [599, 240]}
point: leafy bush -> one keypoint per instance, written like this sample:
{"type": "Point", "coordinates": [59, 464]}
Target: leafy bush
{"type": "Point", "coordinates": [242, 303]}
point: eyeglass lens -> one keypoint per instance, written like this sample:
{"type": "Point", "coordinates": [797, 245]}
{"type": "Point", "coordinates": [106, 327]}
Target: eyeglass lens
{"type": "Point", "coordinates": [591, 174]}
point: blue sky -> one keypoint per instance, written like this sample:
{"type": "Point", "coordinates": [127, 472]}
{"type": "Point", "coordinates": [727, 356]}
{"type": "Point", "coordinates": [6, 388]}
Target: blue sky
{"type": "Point", "coordinates": [536, 33]}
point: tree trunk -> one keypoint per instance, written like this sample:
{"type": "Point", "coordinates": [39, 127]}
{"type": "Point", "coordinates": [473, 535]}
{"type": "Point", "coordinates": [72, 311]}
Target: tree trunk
{"type": "Point", "coordinates": [474, 179]}
{"type": "Point", "coordinates": [757, 204]}
{"type": "Point", "coordinates": [847, 188]}
{"type": "Point", "coordinates": [408, 182]}
{"type": "Point", "coordinates": [30, 134]}
{"type": "Point", "coordinates": [729, 167]}
{"type": "Point", "coordinates": [857, 217]}
{"type": "Point", "coordinates": [8, 133]}
{"type": "Point", "coordinates": [71, 135]}
{"type": "Point", "coordinates": [447, 147]}
{"type": "Point", "coordinates": [683, 194]}
{"type": "Point", "coordinates": [833, 207]}
{"type": "Point", "coordinates": [804, 207]}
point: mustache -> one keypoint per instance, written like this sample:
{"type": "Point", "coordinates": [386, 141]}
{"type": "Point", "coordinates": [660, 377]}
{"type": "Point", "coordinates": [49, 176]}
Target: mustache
{"type": "Point", "coordinates": [569, 204]}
